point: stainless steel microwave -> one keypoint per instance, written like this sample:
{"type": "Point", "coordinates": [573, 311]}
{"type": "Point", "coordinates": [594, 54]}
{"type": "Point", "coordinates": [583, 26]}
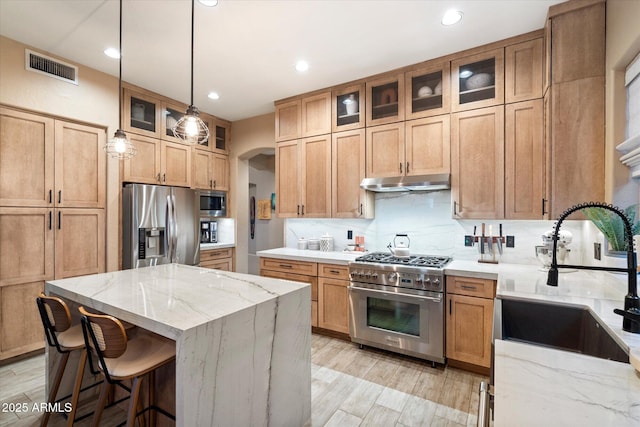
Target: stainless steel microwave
{"type": "Point", "coordinates": [213, 203]}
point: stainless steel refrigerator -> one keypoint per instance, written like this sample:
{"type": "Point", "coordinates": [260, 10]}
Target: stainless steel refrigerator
{"type": "Point", "coordinates": [159, 225]}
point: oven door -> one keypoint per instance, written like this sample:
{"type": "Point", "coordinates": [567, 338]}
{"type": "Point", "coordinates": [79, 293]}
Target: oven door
{"type": "Point", "coordinates": [409, 322]}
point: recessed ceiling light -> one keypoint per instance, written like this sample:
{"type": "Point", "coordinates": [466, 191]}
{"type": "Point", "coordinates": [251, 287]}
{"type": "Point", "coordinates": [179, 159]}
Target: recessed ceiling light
{"type": "Point", "coordinates": [213, 95]}
{"type": "Point", "coordinates": [451, 17]}
{"type": "Point", "coordinates": [112, 52]}
{"type": "Point", "coordinates": [302, 66]}
{"type": "Point", "coordinates": [209, 3]}
{"type": "Point", "coordinates": [465, 73]}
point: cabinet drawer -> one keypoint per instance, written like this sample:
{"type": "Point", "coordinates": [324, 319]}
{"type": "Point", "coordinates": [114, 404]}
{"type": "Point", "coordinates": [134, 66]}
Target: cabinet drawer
{"type": "Point", "coordinates": [333, 271]}
{"type": "Point", "coordinates": [289, 266]}
{"type": "Point", "coordinates": [225, 264]}
{"type": "Point", "coordinates": [484, 288]}
{"type": "Point", "coordinates": [212, 254]}
{"type": "Point", "coordinates": [312, 280]}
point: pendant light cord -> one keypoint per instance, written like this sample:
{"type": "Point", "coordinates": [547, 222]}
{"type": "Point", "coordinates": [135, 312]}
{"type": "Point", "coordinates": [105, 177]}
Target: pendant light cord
{"type": "Point", "coordinates": [120, 73]}
{"type": "Point", "coordinates": [192, 37]}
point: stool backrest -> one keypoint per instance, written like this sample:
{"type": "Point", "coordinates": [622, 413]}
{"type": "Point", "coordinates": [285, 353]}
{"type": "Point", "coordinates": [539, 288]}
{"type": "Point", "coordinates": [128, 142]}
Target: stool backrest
{"type": "Point", "coordinates": [55, 316]}
{"type": "Point", "coordinates": [105, 335]}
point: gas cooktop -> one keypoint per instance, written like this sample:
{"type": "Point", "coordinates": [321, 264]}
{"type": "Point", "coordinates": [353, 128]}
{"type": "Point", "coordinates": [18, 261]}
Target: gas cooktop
{"type": "Point", "coordinates": [433, 261]}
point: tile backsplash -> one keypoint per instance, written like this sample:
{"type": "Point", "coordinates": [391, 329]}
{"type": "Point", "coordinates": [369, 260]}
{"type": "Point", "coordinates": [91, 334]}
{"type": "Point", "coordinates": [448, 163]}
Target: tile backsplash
{"type": "Point", "coordinates": [426, 218]}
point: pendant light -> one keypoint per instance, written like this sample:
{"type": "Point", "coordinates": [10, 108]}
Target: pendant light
{"type": "Point", "coordinates": [120, 147]}
{"type": "Point", "coordinates": [190, 128]}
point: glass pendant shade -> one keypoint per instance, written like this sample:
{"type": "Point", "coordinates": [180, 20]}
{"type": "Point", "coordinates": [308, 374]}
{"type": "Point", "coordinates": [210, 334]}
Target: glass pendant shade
{"type": "Point", "coordinates": [191, 128]}
{"type": "Point", "coordinates": [119, 147]}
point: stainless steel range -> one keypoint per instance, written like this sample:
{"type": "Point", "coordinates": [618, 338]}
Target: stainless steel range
{"type": "Point", "coordinates": [397, 303]}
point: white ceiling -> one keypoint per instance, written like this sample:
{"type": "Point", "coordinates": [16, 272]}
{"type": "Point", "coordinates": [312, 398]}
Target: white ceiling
{"type": "Point", "coordinates": [246, 49]}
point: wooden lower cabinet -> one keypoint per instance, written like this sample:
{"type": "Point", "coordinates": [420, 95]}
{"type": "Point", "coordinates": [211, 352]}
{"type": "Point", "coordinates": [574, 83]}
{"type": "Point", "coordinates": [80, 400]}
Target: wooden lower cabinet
{"type": "Point", "coordinates": [299, 271]}
{"type": "Point", "coordinates": [333, 297]}
{"type": "Point", "coordinates": [219, 259]}
{"type": "Point", "coordinates": [469, 320]}
{"type": "Point", "coordinates": [20, 325]}
{"type": "Point", "coordinates": [79, 242]}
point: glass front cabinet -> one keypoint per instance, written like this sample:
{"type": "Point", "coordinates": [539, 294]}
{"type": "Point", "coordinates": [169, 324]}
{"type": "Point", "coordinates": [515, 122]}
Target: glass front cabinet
{"type": "Point", "coordinates": [348, 105]}
{"type": "Point", "coordinates": [385, 100]}
{"type": "Point", "coordinates": [478, 81]}
{"type": "Point", "coordinates": [427, 91]}
{"type": "Point", "coordinates": [142, 114]}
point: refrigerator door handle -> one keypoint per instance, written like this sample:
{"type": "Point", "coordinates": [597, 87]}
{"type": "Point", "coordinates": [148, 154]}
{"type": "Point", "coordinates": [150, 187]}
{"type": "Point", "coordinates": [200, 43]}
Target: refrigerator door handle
{"type": "Point", "coordinates": [174, 230]}
{"type": "Point", "coordinates": [170, 231]}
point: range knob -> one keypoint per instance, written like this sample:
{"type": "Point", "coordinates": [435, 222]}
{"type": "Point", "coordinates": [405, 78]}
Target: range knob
{"type": "Point", "coordinates": [361, 274]}
{"type": "Point", "coordinates": [418, 280]}
{"type": "Point", "coordinates": [427, 280]}
{"type": "Point", "coordinates": [374, 275]}
{"type": "Point", "coordinates": [435, 282]}
{"type": "Point", "coordinates": [392, 277]}
{"type": "Point", "coordinates": [367, 274]}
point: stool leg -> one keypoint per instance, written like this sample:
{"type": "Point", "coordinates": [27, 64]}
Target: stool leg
{"type": "Point", "coordinates": [56, 385]}
{"type": "Point", "coordinates": [76, 388]}
{"type": "Point", "coordinates": [133, 401]}
{"type": "Point", "coordinates": [152, 397]}
{"type": "Point", "coordinates": [102, 401]}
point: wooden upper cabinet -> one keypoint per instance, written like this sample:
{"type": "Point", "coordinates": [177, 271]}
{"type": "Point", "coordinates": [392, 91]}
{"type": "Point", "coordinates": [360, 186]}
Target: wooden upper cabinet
{"type": "Point", "coordinates": [26, 245]}
{"type": "Point", "coordinates": [578, 42]}
{"type": "Point", "coordinates": [202, 169]}
{"type": "Point", "coordinates": [523, 71]}
{"type": "Point", "coordinates": [288, 120]}
{"type": "Point", "coordinates": [477, 81]}
{"type": "Point", "coordinates": [79, 242]}
{"type": "Point", "coordinates": [524, 160]}
{"type": "Point", "coordinates": [145, 166]}
{"type": "Point", "coordinates": [316, 115]}
{"type": "Point", "coordinates": [348, 108]}
{"type": "Point", "coordinates": [171, 113]}
{"type": "Point", "coordinates": [220, 172]}
{"type": "Point", "coordinates": [288, 172]}
{"type": "Point", "coordinates": [385, 150]}
{"type": "Point", "coordinates": [427, 145]}
{"type": "Point", "coordinates": [80, 166]}
{"type": "Point", "coordinates": [477, 163]}
{"type": "Point", "coordinates": [428, 91]}
{"type": "Point", "coordinates": [142, 113]}
{"type": "Point", "coordinates": [220, 136]}
{"type": "Point", "coordinates": [175, 161]}
{"type": "Point", "coordinates": [347, 171]}
{"type": "Point", "coordinates": [385, 100]}
{"type": "Point", "coordinates": [26, 144]}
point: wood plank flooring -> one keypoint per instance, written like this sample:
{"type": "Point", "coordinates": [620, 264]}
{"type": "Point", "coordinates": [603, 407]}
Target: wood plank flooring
{"type": "Point", "coordinates": [350, 387]}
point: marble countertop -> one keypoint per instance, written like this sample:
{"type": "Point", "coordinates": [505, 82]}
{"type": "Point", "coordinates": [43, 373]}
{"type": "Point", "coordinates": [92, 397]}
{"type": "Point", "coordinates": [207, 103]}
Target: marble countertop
{"type": "Point", "coordinates": [171, 298]}
{"type": "Point", "coordinates": [332, 257]}
{"type": "Point", "coordinates": [208, 246]}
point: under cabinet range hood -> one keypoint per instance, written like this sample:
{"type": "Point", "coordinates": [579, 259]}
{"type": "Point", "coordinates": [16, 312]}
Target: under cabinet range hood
{"type": "Point", "coordinates": [433, 182]}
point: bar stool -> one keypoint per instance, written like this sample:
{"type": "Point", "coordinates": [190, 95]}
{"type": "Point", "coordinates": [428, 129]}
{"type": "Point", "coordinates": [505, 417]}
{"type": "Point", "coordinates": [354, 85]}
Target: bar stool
{"type": "Point", "coordinates": [121, 358]}
{"type": "Point", "coordinates": [65, 338]}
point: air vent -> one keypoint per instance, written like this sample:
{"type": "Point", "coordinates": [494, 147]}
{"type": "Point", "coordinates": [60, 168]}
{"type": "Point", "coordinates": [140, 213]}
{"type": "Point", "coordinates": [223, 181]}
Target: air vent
{"type": "Point", "coordinates": [43, 64]}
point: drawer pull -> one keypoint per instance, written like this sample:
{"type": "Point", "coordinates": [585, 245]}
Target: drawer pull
{"type": "Point", "coordinates": [471, 288]}
{"type": "Point", "coordinates": [286, 266]}
{"type": "Point", "coordinates": [334, 272]}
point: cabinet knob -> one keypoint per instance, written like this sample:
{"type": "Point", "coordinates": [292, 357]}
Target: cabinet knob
{"type": "Point", "coordinates": [164, 177]}
{"type": "Point", "coordinates": [210, 183]}
{"type": "Point", "coordinates": [298, 209]}
{"type": "Point", "coordinates": [302, 209]}
{"type": "Point", "coordinates": [158, 178]}
{"type": "Point", "coordinates": [214, 183]}
{"type": "Point", "coordinates": [400, 168]}
{"type": "Point", "coordinates": [407, 168]}
{"type": "Point", "coordinates": [59, 196]}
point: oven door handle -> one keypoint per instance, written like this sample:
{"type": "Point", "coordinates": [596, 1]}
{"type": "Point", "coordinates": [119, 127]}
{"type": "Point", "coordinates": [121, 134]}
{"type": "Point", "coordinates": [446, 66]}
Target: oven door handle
{"type": "Point", "coordinates": [420, 297]}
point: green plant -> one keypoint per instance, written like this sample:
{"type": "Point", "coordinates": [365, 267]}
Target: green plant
{"type": "Point", "coordinates": [611, 225]}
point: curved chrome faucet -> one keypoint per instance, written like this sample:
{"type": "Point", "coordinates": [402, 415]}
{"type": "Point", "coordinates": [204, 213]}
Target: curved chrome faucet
{"type": "Point", "coordinates": [631, 313]}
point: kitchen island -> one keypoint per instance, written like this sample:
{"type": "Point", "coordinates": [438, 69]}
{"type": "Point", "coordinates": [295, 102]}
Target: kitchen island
{"type": "Point", "coordinates": [243, 343]}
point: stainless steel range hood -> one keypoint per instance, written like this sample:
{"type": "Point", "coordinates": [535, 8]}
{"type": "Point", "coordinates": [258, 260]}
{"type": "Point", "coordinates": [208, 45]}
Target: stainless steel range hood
{"type": "Point", "coordinates": [433, 182]}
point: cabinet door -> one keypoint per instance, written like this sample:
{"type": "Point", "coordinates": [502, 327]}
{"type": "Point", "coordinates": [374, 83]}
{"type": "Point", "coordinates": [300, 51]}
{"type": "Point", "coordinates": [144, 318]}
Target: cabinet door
{"type": "Point", "coordinates": [26, 159]}
{"type": "Point", "coordinates": [316, 114]}
{"type": "Point", "coordinates": [427, 147]}
{"type": "Point", "coordinates": [176, 164]}
{"type": "Point", "coordinates": [524, 160]}
{"type": "Point", "coordinates": [385, 150]}
{"type": "Point", "coordinates": [172, 112]}
{"type": "Point", "coordinates": [26, 245]}
{"type": "Point", "coordinates": [142, 114]}
{"type": "Point", "coordinates": [20, 325]}
{"type": "Point", "coordinates": [523, 71]}
{"type": "Point", "coordinates": [220, 172]}
{"type": "Point", "coordinates": [288, 120]}
{"type": "Point", "coordinates": [287, 179]}
{"type": "Point", "coordinates": [347, 171]}
{"type": "Point", "coordinates": [222, 133]}
{"type": "Point", "coordinates": [333, 304]}
{"type": "Point", "coordinates": [144, 167]}
{"type": "Point", "coordinates": [385, 100]}
{"type": "Point", "coordinates": [347, 108]}
{"type": "Point", "coordinates": [428, 91]}
{"type": "Point", "coordinates": [80, 165]}
{"type": "Point", "coordinates": [202, 174]}
{"type": "Point", "coordinates": [477, 163]}
{"type": "Point", "coordinates": [315, 155]}
{"type": "Point", "coordinates": [469, 324]}
{"type": "Point", "coordinates": [477, 81]}
{"type": "Point", "coordinates": [80, 235]}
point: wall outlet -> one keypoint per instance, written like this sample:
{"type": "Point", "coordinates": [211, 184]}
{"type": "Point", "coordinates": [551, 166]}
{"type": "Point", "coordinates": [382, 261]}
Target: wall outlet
{"type": "Point", "coordinates": [350, 234]}
{"type": "Point", "coordinates": [511, 241]}
{"type": "Point", "coordinates": [597, 251]}
{"type": "Point", "coordinates": [468, 240]}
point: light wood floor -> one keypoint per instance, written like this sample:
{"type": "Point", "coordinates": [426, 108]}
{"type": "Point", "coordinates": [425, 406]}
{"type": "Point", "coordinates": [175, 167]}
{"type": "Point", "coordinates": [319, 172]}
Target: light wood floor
{"type": "Point", "coordinates": [350, 387]}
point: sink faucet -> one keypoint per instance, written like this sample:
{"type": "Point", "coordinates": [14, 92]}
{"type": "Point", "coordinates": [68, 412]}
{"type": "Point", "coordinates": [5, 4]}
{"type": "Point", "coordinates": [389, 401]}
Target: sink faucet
{"type": "Point", "coordinates": [631, 313]}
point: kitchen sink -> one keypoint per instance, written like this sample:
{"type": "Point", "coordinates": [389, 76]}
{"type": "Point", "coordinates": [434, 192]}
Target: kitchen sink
{"type": "Point", "coordinates": [558, 326]}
